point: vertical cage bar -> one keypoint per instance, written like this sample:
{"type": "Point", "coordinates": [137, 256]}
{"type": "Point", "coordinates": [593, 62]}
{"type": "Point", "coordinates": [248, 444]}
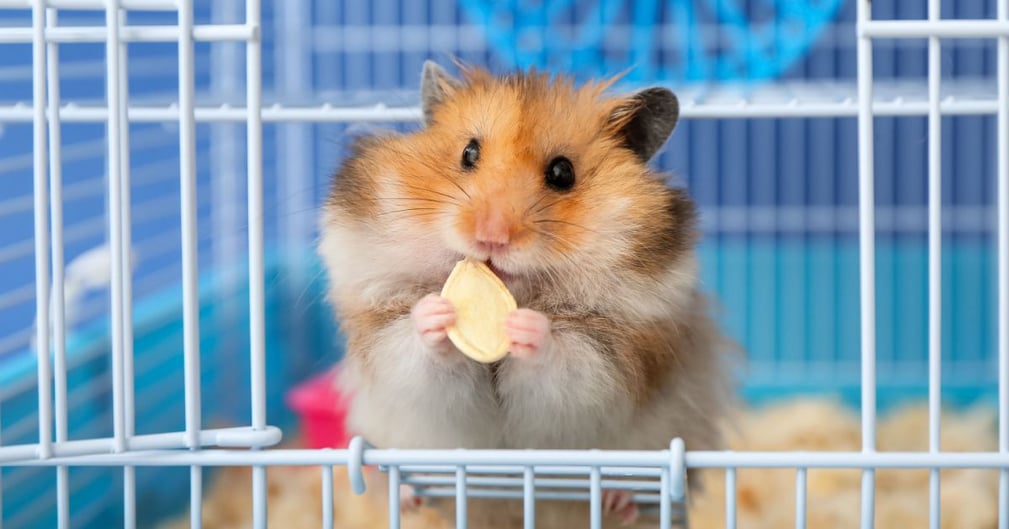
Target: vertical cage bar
{"type": "Point", "coordinates": [257, 294]}
{"type": "Point", "coordinates": [254, 123]}
{"type": "Point", "coordinates": [934, 260]}
{"type": "Point", "coordinates": [41, 193]}
{"type": "Point", "coordinates": [665, 503]}
{"type": "Point", "coordinates": [730, 498]}
{"type": "Point", "coordinates": [460, 498]}
{"type": "Point", "coordinates": [868, 499]}
{"type": "Point", "coordinates": [327, 497]}
{"type": "Point", "coordinates": [127, 220]}
{"type": "Point", "coordinates": [528, 498]}
{"type": "Point", "coordinates": [195, 497]}
{"type": "Point", "coordinates": [129, 471]}
{"type": "Point", "coordinates": [1003, 260]}
{"type": "Point", "coordinates": [595, 498]}
{"type": "Point", "coordinates": [187, 172]}
{"type": "Point", "coordinates": [190, 294]}
{"type": "Point", "coordinates": [114, 162]}
{"type": "Point", "coordinates": [867, 256]}
{"type": "Point", "coordinates": [58, 307]}
{"type": "Point", "coordinates": [394, 481]}
{"type": "Point", "coordinates": [800, 498]}
{"type": "Point", "coordinates": [259, 497]}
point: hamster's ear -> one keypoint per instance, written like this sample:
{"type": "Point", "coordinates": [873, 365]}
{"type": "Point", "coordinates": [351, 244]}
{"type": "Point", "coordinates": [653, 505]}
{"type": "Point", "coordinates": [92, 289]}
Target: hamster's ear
{"type": "Point", "coordinates": [436, 85]}
{"type": "Point", "coordinates": [646, 120]}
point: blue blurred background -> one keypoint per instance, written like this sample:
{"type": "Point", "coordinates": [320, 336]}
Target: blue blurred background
{"type": "Point", "coordinates": [779, 198]}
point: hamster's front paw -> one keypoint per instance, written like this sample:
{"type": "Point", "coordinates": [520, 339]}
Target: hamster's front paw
{"type": "Point", "coordinates": [528, 332]}
{"type": "Point", "coordinates": [431, 317]}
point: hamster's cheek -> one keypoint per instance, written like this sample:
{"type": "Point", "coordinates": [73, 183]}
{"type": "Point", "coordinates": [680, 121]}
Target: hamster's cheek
{"type": "Point", "coordinates": [454, 232]}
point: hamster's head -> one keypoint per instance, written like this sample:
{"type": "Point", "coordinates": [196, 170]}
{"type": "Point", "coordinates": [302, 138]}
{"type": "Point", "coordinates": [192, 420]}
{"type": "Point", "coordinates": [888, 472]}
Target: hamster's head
{"type": "Point", "coordinates": [533, 174]}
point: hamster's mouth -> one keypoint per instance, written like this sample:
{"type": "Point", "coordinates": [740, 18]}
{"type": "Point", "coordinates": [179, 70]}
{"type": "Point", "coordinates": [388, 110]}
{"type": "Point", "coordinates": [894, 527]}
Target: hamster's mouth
{"type": "Point", "coordinates": [501, 274]}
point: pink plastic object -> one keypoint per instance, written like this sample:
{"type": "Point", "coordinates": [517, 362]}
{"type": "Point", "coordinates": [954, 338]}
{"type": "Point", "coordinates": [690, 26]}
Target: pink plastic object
{"type": "Point", "coordinates": [322, 409]}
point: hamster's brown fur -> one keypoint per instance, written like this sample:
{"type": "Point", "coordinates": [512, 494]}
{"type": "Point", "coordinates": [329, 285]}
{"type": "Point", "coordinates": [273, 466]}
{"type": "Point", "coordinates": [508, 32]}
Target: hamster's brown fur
{"type": "Point", "coordinates": [635, 359]}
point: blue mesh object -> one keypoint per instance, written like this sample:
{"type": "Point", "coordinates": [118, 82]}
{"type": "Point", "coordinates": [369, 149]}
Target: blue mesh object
{"type": "Point", "coordinates": [778, 198]}
{"type": "Point", "coordinates": [714, 40]}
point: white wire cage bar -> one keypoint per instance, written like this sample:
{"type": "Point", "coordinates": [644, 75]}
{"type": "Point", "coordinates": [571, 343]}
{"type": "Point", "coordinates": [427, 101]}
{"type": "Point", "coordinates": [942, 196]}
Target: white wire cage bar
{"type": "Point", "coordinates": [553, 462]}
{"type": "Point", "coordinates": [818, 100]}
{"type": "Point", "coordinates": [1003, 260]}
{"type": "Point", "coordinates": [867, 259]}
{"type": "Point", "coordinates": [215, 33]}
{"type": "Point", "coordinates": [934, 262]}
{"type": "Point", "coordinates": [96, 5]}
{"type": "Point", "coordinates": [530, 476]}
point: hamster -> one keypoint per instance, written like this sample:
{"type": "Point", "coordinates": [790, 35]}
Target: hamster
{"type": "Point", "coordinates": [548, 182]}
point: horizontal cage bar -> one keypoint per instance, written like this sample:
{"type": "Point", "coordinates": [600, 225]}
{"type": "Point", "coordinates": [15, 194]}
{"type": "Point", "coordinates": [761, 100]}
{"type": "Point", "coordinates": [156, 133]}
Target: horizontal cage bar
{"type": "Point", "coordinates": [225, 437]}
{"type": "Point", "coordinates": [543, 461]}
{"type": "Point", "coordinates": [958, 29]}
{"type": "Point", "coordinates": [203, 33]}
{"type": "Point", "coordinates": [72, 113]}
{"type": "Point", "coordinates": [95, 5]}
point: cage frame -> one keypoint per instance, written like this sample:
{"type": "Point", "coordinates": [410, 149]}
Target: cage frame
{"type": "Point", "coordinates": [197, 447]}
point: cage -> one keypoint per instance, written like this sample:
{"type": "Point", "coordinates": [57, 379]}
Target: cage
{"type": "Point", "coordinates": [163, 162]}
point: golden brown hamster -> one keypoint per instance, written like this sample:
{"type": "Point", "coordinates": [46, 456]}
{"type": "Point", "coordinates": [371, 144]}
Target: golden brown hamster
{"type": "Point", "coordinates": [612, 346]}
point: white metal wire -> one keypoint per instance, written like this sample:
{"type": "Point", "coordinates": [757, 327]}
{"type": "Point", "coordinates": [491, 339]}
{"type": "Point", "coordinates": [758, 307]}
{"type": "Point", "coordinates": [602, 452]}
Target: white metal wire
{"type": "Point", "coordinates": [461, 511]}
{"type": "Point", "coordinates": [97, 5]}
{"type": "Point", "coordinates": [115, 183]}
{"type": "Point", "coordinates": [58, 308]}
{"type": "Point", "coordinates": [1002, 149]}
{"type": "Point", "coordinates": [867, 258]}
{"type": "Point", "coordinates": [239, 437]}
{"type": "Point", "coordinates": [513, 462]}
{"type": "Point", "coordinates": [462, 474]}
{"type": "Point", "coordinates": [41, 230]}
{"type": "Point", "coordinates": [907, 29]}
{"type": "Point", "coordinates": [190, 309]}
{"type": "Point", "coordinates": [730, 498]}
{"type": "Point", "coordinates": [125, 218]}
{"type": "Point", "coordinates": [934, 259]}
{"type": "Point", "coordinates": [327, 497]}
{"type": "Point", "coordinates": [540, 482]}
{"type": "Point", "coordinates": [725, 103]}
{"type": "Point", "coordinates": [77, 34]}
{"type": "Point", "coordinates": [394, 497]}
{"type": "Point", "coordinates": [800, 498]}
{"type": "Point", "coordinates": [529, 498]}
{"type": "Point", "coordinates": [257, 294]}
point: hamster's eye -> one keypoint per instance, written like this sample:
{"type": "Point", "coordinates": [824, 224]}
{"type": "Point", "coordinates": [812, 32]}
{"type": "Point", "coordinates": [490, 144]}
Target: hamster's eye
{"type": "Point", "coordinates": [560, 175]}
{"type": "Point", "coordinates": [470, 154]}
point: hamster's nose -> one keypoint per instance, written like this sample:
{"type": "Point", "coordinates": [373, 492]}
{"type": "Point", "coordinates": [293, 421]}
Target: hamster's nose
{"type": "Point", "coordinates": [492, 233]}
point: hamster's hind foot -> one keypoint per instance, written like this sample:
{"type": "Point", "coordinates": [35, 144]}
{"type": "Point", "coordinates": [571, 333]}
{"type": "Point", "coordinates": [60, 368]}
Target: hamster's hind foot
{"type": "Point", "coordinates": [409, 501]}
{"type": "Point", "coordinates": [620, 503]}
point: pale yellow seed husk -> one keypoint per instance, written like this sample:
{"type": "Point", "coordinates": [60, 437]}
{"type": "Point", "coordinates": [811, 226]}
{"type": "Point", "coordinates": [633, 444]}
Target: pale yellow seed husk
{"type": "Point", "coordinates": [482, 302]}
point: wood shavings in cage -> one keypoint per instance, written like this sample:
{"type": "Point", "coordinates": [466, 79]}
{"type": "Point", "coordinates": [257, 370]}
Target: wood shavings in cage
{"type": "Point", "coordinates": [766, 497]}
